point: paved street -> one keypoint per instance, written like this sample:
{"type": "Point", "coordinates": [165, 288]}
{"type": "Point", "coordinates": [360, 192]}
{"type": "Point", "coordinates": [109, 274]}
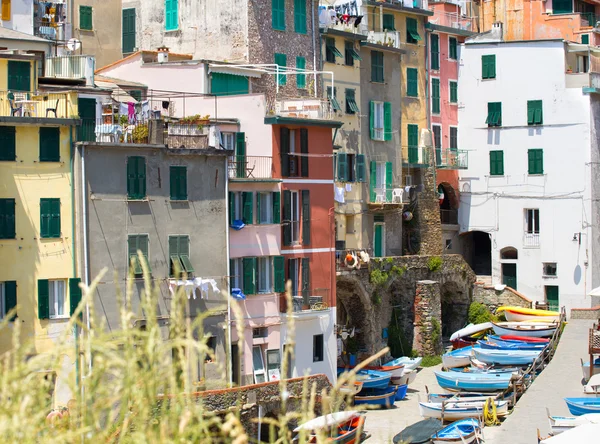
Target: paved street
{"type": "Point", "coordinates": [562, 378]}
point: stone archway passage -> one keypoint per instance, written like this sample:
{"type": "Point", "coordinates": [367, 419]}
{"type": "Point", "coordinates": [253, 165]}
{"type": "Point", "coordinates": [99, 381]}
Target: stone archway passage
{"type": "Point", "coordinates": [477, 251]}
{"type": "Point", "coordinates": [356, 312]}
{"type": "Point", "coordinates": [455, 307]}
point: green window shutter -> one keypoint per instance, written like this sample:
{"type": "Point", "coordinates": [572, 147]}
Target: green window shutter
{"type": "Point", "coordinates": [413, 143]}
{"type": "Point", "coordinates": [136, 177]}
{"type": "Point", "coordinates": [377, 66]}
{"type": "Point", "coordinates": [351, 106]}
{"type": "Point", "coordinates": [50, 218]}
{"type": "Point", "coordinates": [287, 218]}
{"type": "Point", "coordinates": [278, 14]}
{"type": "Point", "coordinates": [128, 30]}
{"type": "Point", "coordinates": [85, 18]}
{"type": "Point", "coordinates": [249, 275]}
{"type": "Point", "coordinates": [304, 150]}
{"type": "Point", "coordinates": [453, 48]}
{"type": "Point", "coordinates": [372, 119]}
{"type": "Point", "coordinates": [240, 155]}
{"type": "Point", "coordinates": [276, 207]}
{"type": "Point", "coordinates": [387, 121]}
{"type": "Point", "coordinates": [301, 64]}
{"type": "Point", "coordinates": [331, 96]}
{"type": "Point", "coordinates": [388, 22]}
{"type": "Point", "coordinates": [228, 84]}
{"type": "Point", "coordinates": [534, 112]}
{"type": "Point", "coordinates": [453, 138]}
{"type": "Point", "coordinates": [536, 161]}
{"type": "Point", "coordinates": [435, 96]}
{"type": "Point", "coordinates": [231, 207]}
{"type": "Point", "coordinates": [300, 16]}
{"type": "Point", "coordinates": [133, 242]}
{"type": "Point", "coordinates": [176, 264]}
{"type": "Point", "coordinates": [44, 218]}
{"type": "Point", "coordinates": [305, 279]}
{"type": "Point", "coordinates": [342, 167]}
{"type": "Point", "coordinates": [74, 294]}
{"type": "Point", "coordinates": [258, 208]}
{"type": "Point", "coordinates": [373, 181]}
{"type": "Point", "coordinates": [361, 168]}
{"type": "Point", "coordinates": [488, 66]}
{"type": "Point", "coordinates": [7, 219]}
{"type": "Point", "coordinates": [284, 144]}
{"type": "Point", "coordinates": [19, 76]}
{"type": "Point", "coordinates": [305, 217]}
{"type": "Point", "coordinates": [10, 297]}
{"type": "Point", "coordinates": [43, 299]}
{"type": "Point", "coordinates": [248, 206]}
{"type": "Point", "coordinates": [412, 31]}
{"type": "Point", "coordinates": [412, 82]}
{"type": "Point", "coordinates": [54, 218]}
{"type": "Point", "coordinates": [562, 6]}
{"type": "Point", "coordinates": [278, 274]}
{"type": "Point", "coordinates": [496, 163]}
{"type": "Point", "coordinates": [8, 145]}
{"type": "Point", "coordinates": [435, 51]}
{"type": "Point", "coordinates": [49, 144]}
{"type": "Point", "coordinates": [585, 39]}
{"type": "Point", "coordinates": [281, 61]}
{"type": "Point", "coordinates": [453, 92]}
{"type": "Point", "coordinates": [389, 177]}
{"type": "Point", "coordinates": [178, 181]}
{"type": "Point", "coordinates": [140, 242]}
{"type": "Point", "coordinates": [494, 117]}
{"type": "Point", "coordinates": [171, 15]}
{"type": "Point", "coordinates": [378, 241]}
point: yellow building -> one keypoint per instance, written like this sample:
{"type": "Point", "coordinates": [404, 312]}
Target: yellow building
{"type": "Point", "coordinates": [37, 262]}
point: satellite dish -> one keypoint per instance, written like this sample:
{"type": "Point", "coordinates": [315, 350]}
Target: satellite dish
{"type": "Point", "coordinates": [73, 44]}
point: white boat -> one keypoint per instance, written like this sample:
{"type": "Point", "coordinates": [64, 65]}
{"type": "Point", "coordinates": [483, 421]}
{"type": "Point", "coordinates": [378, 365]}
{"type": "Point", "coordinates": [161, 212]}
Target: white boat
{"type": "Point", "coordinates": [584, 433]}
{"type": "Point", "coordinates": [454, 410]}
{"type": "Point", "coordinates": [530, 329]}
{"type": "Point", "coordinates": [593, 385]}
{"type": "Point", "coordinates": [559, 424]}
{"type": "Point", "coordinates": [470, 330]}
{"type": "Point", "coordinates": [460, 357]}
{"type": "Point", "coordinates": [408, 363]}
{"type": "Point", "coordinates": [506, 357]}
{"type": "Point", "coordinates": [585, 367]}
{"type": "Point", "coordinates": [408, 377]}
{"type": "Point", "coordinates": [513, 316]}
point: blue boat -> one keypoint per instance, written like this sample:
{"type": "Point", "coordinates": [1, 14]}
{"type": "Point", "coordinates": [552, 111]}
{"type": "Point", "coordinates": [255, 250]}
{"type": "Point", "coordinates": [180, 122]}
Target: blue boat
{"type": "Point", "coordinates": [485, 370]}
{"type": "Point", "coordinates": [582, 406]}
{"type": "Point", "coordinates": [401, 393]}
{"type": "Point", "coordinates": [460, 357]}
{"type": "Point", "coordinates": [371, 378]}
{"type": "Point", "coordinates": [463, 431]}
{"type": "Point", "coordinates": [505, 345]}
{"type": "Point", "coordinates": [408, 363]}
{"type": "Point", "coordinates": [473, 382]}
{"type": "Point", "coordinates": [384, 397]}
{"type": "Point", "coordinates": [506, 357]}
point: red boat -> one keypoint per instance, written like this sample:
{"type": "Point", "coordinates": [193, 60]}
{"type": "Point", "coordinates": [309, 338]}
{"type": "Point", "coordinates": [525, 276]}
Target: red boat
{"type": "Point", "coordinates": [524, 339]}
{"type": "Point", "coordinates": [467, 341]}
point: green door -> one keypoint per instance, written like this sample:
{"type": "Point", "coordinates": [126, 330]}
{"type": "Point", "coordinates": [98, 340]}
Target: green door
{"type": "Point", "coordinates": [19, 76]}
{"type": "Point", "coordinates": [378, 241]}
{"type": "Point", "coordinates": [87, 114]}
{"type": "Point", "coordinates": [509, 275]}
{"type": "Point", "coordinates": [552, 297]}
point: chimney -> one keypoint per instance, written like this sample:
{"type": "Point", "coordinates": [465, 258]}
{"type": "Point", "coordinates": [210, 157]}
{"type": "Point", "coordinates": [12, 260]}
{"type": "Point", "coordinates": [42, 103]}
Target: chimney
{"type": "Point", "coordinates": [163, 54]}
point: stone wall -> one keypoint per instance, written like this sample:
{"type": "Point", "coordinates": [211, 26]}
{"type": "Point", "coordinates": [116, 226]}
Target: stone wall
{"type": "Point", "coordinates": [428, 214]}
{"type": "Point", "coordinates": [492, 298]}
{"type": "Point", "coordinates": [586, 313]}
{"type": "Point", "coordinates": [428, 318]}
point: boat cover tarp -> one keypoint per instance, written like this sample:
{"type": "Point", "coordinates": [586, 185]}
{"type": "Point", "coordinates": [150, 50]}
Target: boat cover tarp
{"type": "Point", "coordinates": [419, 432]}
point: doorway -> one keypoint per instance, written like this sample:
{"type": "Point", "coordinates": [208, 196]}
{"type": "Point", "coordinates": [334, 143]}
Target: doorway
{"type": "Point", "coordinates": [87, 113]}
{"type": "Point", "coordinates": [509, 275]}
{"type": "Point", "coordinates": [477, 251]}
{"type": "Point", "coordinates": [235, 364]}
{"type": "Point", "coordinates": [378, 239]}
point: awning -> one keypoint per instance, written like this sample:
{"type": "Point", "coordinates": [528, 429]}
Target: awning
{"type": "Point", "coordinates": [335, 51]}
{"type": "Point", "coordinates": [414, 34]}
{"type": "Point", "coordinates": [355, 55]}
{"type": "Point", "coordinates": [237, 71]}
{"type": "Point", "coordinates": [352, 104]}
{"type": "Point", "coordinates": [335, 104]}
{"type": "Point", "coordinates": [578, 47]}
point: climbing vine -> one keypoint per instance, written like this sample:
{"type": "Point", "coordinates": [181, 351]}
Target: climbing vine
{"type": "Point", "coordinates": [434, 263]}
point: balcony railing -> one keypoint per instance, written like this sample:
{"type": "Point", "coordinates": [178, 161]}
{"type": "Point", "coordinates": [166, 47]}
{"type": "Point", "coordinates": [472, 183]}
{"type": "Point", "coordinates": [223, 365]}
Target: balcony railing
{"type": "Point", "coordinates": [449, 217]}
{"type": "Point", "coordinates": [250, 167]}
{"type": "Point", "coordinates": [383, 195]}
{"type": "Point", "coordinates": [312, 301]}
{"type": "Point", "coordinates": [385, 38]}
{"type": "Point", "coordinates": [531, 240]}
{"type": "Point", "coordinates": [420, 4]}
{"type": "Point", "coordinates": [453, 20]}
{"type": "Point", "coordinates": [71, 67]}
{"type": "Point", "coordinates": [588, 19]}
{"type": "Point", "coordinates": [302, 108]}
{"type": "Point", "coordinates": [452, 159]}
{"type": "Point", "coordinates": [39, 104]}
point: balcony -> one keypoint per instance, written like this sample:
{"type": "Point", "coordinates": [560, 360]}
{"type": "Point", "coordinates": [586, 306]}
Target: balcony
{"type": "Point", "coordinates": [302, 108]}
{"type": "Point", "coordinates": [341, 263]}
{"type": "Point", "coordinates": [312, 303]}
{"type": "Point", "coordinates": [453, 20]}
{"type": "Point", "coordinates": [71, 67]}
{"type": "Point", "coordinates": [588, 19]}
{"type": "Point", "coordinates": [386, 38]}
{"type": "Point", "coordinates": [382, 196]}
{"type": "Point", "coordinates": [421, 5]}
{"type": "Point", "coordinates": [449, 217]}
{"type": "Point", "coordinates": [531, 240]}
{"type": "Point", "coordinates": [452, 159]}
{"type": "Point", "coordinates": [39, 105]}
{"type": "Point", "coordinates": [250, 167]}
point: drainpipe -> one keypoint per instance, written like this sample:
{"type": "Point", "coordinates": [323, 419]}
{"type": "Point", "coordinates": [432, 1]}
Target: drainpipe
{"type": "Point", "coordinates": [229, 356]}
{"type": "Point", "coordinates": [72, 167]}
{"type": "Point", "coordinates": [85, 247]}
{"type": "Point", "coordinates": [314, 45]}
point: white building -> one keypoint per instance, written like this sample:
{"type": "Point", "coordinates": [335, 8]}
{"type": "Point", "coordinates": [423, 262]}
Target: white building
{"type": "Point", "coordinates": [528, 215]}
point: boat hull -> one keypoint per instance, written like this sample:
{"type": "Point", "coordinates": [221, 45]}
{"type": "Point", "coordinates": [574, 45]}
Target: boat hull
{"type": "Point", "coordinates": [559, 424]}
{"type": "Point", "coordinates": [370, 378]}
{"type": "Point", "coordinates": [401, 392]}
{"type": "Point", "coordinates": [524, 339]}
{"type": "Point", "coordinates": [465, 432]}
{"type": "Point", "coordinates": [507, 345]}
{"type": "Point", "coordinates": [513, 316]}
{"type": "Point", "coordinates": [476, 382]}
{"type": "Point", "coordinates": [408, 363]}
{"type": "Point", "coordinates": [470, 330]}
{"type": "Point", "coordinates": [459, 410]}
{"type": "Point", "coordinates": [382, 397]}
{"type": "Point", "coordinates": [582, 406]}
{"type": "Point", "coordinates": [463, 342]}
{"type": "Point", "coordinates": [406, 379]}
{"type": "Point", "coordinates": [506, 357]}
{"type": "Point", "coordinates": [338, 430]}
{"type": "Point", "coordinates": [529, 330]}
{"type": "Point", "coordinates": [457, 358]}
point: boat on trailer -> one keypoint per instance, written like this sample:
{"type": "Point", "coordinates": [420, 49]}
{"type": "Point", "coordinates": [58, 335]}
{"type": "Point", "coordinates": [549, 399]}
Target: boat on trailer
{"type": "Point", "coordinates": [339, 428]}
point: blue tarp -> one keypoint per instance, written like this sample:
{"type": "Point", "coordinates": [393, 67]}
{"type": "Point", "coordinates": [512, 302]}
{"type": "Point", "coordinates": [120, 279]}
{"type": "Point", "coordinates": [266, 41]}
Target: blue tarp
{"type": "Point", "coordinates": [236, 293]}
{"type": "Point", "coordinates": [237, 224]}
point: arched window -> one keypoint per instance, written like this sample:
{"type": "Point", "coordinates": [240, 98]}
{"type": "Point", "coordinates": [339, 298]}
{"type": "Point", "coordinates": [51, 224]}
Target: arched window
{"type": "Point", "coordinates": [509, 253]}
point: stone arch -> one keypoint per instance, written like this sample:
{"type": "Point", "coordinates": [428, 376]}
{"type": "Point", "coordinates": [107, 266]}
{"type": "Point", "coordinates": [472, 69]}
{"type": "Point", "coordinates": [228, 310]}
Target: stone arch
{"type": "Point", "coordinates": [477, 251]}
{"type": "Point", "coordinates": [450, 201]}
{"type": "Point", "coordinates": [455, 300]}
{"type": "Point", "coordinates": [264, 433]}
{"type": "Point", "coordinates": [509, 253]}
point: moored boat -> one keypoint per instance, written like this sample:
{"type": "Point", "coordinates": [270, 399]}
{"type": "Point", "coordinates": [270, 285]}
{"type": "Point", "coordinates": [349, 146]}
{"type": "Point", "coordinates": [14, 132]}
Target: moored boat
{"type": "Point", "coordinates": [339, 428]}
{"type": "Point", "coordinates": [457, 358]}
{"type": "Point", "coordinates": [585, 367]}
{"type": "Point", "coordinates": [464, 431]}
{"type": "Point", "coordinates": [459, 410]}
{"type": "Point", "coordinates": [507, 345]}
{"type": "Point", "coordinates": [559, 424]}
{"type": "Point", "coordinates": [470, 329]}
{"type": "Point", "coordinates": [534, 329]}
{"type": "Point", "coordinates": [581, 406]}
{"type": "Point", "coordinates": [467, 341]}
{"type": "Point", "coordinates": [517, 338]}
{"type": "Point", "coordinates": [408, 363]}
{"type": "Point", "coordinates": [484, 382]}
{"type": "Point", "coordinates": [401, 392]}
{"type": "Point", "coordinates": [506, 357]}
{"type": "Point", "coordinates": [370, 378]}
{"type": "Point", "coordinates": [352, 389]}
{"type": "Point", "coordinates": [406, 379]}
{"type": "Point", "coordinates": [384, 397]}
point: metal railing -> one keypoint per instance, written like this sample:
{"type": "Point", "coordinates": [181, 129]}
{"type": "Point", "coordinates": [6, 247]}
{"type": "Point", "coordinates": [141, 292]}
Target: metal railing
{"type": "Point", "coordinates": [39, 104]}
{"type": "Point", "coordinates": [250, 167]}
{"type": "Point", "coordinates": [385, 38]}
{"type": "Point", "coordinates": [449, 217]}
{"type": "Point", "coordinates": [113, 131]}
{"type": "Point", "coordinates": [420, 4]}
{"type": "Point", "coordinates": [302, 108]}
{"type": "Point", "coordinates": [314, 300]}
{"type": "Point", "coordinates": [70, 67]}
{"type": "Point", "coordinates": [588, 19]}
{"type": "Point", "coordinates": [452, 158]}
{"type": "Point", "coordinates": [384, 195]}
{"type": "Point", "coordinates": [531, 240]}
{"type": "Point", "coordinates": [453, 20]}
{"type": "Point", "coordinates": [418, 156]}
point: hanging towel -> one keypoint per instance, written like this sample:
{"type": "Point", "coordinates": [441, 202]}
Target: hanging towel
{"type": "Point", "coordinates": [131, 112]}
{"type": "Point", "coordinates": [145, 110]}
{"type": "Point", "coordinates": [348, 187]}
{"type": "Point", "coordinates": [338, 194]}
{"type": "Point", "coordinates": [123, 109]}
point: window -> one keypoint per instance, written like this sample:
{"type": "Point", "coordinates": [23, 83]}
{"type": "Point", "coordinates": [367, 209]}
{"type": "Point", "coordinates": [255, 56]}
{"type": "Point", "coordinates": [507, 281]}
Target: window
{"type": "Point", "coordinates": [247, 207]}
{"type": "Point", "coordinates": [435, 96]}
{"type": "Point", "coordinates": [435, 51]}
{"type": "Point", "coordinates": [552, 298]}
{"type": "Point", "coordinates": [136, 177]}
{"type": "Point", "coordinates": [236, 272]}
{"type": "Point", "coordinates": [318, 348]}
{"type": "Point", "coordinates": [562, 6]}
{"type": "Point", "coordinates": [412, 82]}
{"type": "Point", "coordinates": [258, 364]}
{"type": "Point", "coordinates": [49, 144]}
{"type": "Point", "coordinates": [19, 76]}
{"type": "Point", "coordinates": [334, 103]}
{"type": "Point", "coordinates": [361, 168]}
{"type": "Point", "coordinates": [260, 332]}
{"type": "Point", "coordinates": [350, 224]}
{"type": "Point", "coordinates": [178, 178]}
{"type": "Point", "coordinates": [171, 15]}
{"type": "Point", "coordinates": [85, 18]}
{"type": "Point", "coordinates": [235, 206]}
{"type": "Point", "coordinates": [273, 365]}
{"type": "Point", "coordinates": [281, 61]}
{"type": "Point", "coordinates": [211, 345]}
{"type": "Point", "coordinates": [57, 296]}
{"type": "Point", "coordinates": [585, 39]}
{"type": "Point", "coordinates": [306, 280]}
{"type": "Point", "coordinates": [293, 272]}
{"type": "Point", "coordinates": [301, 78]}
{"type": "Point", "coordinates": [351, 168]}
{"type": "Point", "coordinates": [7, 219]}
{"type": "Point", "coordinates": [377, 132]}
{"type": "Point", "coordinates": [331, 52]}
{"type": "Point", "coordinates": [300, 16]}
{"type": "Point", "coordinates": [351, 106]}
{"type": "Point", "coordinates": [49, 218]}
{"type": "Point", "coordinates": [437, 143]}
{"type": "Point", "coordinates": [448, 244]}
{"type": "Point", "coordinates": [535, 161]}
{"type": "Point", "coordinates": [5, 10]}
{"type": "Point", "coordinates": [8, 297]}
{"type": "Point", "coordinates": [488, 66]}
{"type": "Point", "coordinates": [453, 91]}
{"type": "Point", "coordinates": [350, 54]}
{"type": "Point", "coordinates": [549, 269]}
{"type": "Point", "coordinates": [494, 117]}
{"type": "Point", "coordinates": [380, 186]}
{"type": "Point", "coordinates": [377, 66]}
{"type": "Point", "coordinates": [295, 219]}
{"type": "Point", "coordinates": [179, 252]}
{"type": "Point", "coordinates": [278, 14]}
{"type": "Point", "coordinates": [412, 33]}
{"type": "Point", "coordinates": [452, 48]}
{"type": "Point", "coordinates": [135, 243]}
{"type": "Point", "coordinates": [128, 30]}
{"type": "Point", "coordinates": [265, 275]}
{"type": "Point", "coordinates": [228, 84]}
{"type": "Point", "coordinates": [413, 143]}
{"type": "Point", "coordinates": [453, 138]}
{"type": "Point", "coordinates": [8, 143]}
{"type": "Point", "coordinates": [497, 163]}
{"type": "Point", "coordinates": [534, 112]}
{"type": "Point", "coordinates": [532, 221]}
{"type": "Point", "coordinates": [228, 141]}
{"type": "Point", "coordinates": [264, 208]}
{"type": "Point", "coordinates": [342, 167]}
{"type": "Point", "coordinates": [388, 22]}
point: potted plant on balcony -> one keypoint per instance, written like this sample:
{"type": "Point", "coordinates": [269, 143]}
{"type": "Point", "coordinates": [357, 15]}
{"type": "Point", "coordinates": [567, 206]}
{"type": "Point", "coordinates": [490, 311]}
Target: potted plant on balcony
{"type": "Point", "coordinates": [569, 69]}
{"type": "Point", "coordinates": [190, 125]}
